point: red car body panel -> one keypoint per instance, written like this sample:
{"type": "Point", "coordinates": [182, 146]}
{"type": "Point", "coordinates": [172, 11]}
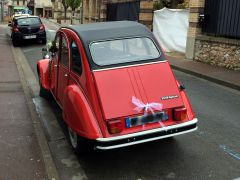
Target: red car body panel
{"type": "Point", "coordinates": [44, 73]}
{"type": "Point", "coordinates": [148, 83]}
{"type": "Point", "coordinates": [80, 109]}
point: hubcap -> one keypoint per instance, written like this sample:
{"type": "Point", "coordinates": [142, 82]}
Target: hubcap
{"type": "Point", "coordinates": [73, 137]}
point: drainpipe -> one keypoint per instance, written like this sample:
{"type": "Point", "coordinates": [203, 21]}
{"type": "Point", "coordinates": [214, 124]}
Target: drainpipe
{"type": "Point", "coordinates": [82, 12]}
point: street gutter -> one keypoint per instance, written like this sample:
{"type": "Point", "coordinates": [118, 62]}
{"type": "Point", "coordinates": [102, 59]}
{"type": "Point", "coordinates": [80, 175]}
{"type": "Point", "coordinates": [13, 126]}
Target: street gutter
{"type": "Point", "coordinates": [30, 88]}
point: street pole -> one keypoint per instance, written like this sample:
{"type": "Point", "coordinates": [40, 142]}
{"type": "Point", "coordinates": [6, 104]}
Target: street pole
{"type": "Point", "coordinates": [2, 2]}
{"type": "Point", "coordinates": [1, 11]}
{"type": "Point", "coordinates": [82, 13]}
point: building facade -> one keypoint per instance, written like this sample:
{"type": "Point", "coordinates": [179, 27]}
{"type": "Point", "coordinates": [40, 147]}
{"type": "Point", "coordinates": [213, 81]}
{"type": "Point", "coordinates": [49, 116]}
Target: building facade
{"type": "Point", "coordinates": [214, 33]}
{"type": "Point", "coordinates": [113, 10]}
{"type": "Point", "coordinates": [43, 8]}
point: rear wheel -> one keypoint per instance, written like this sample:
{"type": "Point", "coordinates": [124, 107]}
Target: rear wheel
{"type": "Point", "coordinates": [79, 144]}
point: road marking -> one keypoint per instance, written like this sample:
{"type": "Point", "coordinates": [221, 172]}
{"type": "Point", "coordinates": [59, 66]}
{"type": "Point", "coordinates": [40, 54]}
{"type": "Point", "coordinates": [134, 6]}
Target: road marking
{"type": "Point", "coordinates": [230, 151]}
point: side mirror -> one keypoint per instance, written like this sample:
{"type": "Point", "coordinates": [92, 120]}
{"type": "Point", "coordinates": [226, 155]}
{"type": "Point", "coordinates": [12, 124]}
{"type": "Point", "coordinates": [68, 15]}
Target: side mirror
{"type": "Point", "coordinates": [45, 53]}
{"type": "Point", "coordinates": [53, 47]}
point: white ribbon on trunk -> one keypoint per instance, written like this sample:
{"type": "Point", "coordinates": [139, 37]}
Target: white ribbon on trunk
{"type": "Point", "coordinates": [146, 107]}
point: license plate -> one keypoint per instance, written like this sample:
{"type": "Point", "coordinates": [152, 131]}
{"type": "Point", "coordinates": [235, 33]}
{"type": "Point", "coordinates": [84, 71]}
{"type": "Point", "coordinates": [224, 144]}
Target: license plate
{"type": "Point", "coordinates": [30, 37]}
{"type": "Point", "coordinates": [148, 118]}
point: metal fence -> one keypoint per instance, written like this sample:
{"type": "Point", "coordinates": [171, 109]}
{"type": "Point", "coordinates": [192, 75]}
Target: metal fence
{"type": "Point", "coordinates": [222, 18]}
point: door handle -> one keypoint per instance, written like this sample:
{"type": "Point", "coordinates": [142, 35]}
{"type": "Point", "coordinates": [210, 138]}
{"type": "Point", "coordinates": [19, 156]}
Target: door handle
{"type": "Point", "coordinates": [55, 65]}
{"type": "Point", "coordinates": [66, 75]}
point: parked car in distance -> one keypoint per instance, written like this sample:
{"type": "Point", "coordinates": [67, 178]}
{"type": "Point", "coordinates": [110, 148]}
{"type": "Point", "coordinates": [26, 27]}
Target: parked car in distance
{"type": "Point", "coordinates": [27, 27]}
{"type": "Point", "coordinates": [114, 86]}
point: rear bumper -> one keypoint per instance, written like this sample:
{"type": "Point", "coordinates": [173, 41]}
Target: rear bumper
{"type": "Point", "coordinates": [146, 136]}
{"type": "Point", "coordinates": [19, 36]}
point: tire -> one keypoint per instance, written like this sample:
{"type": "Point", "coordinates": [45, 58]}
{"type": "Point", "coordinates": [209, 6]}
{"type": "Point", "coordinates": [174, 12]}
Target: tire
{"type": "Point", "coordinates": [44, 41]}
{"type": "Point", "coordinates": [80, 145]}
{"type": "Point", "coordinates": [14, 42]}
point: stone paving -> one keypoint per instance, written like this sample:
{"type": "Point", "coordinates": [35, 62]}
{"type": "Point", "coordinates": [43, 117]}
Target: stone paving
{"type": "Point", "coordinates": [20, 156]}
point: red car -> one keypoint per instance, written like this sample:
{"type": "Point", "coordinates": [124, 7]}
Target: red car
{"type": "Point", "coordinates": [114, 86]}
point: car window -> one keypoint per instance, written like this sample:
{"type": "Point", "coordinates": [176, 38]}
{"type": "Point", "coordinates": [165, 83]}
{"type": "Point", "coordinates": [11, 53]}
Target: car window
{"type": "Point", "coordinates": [64, 52]}
{"type": "Point", "coordinates": [28, 21]}
{"type": "Point", "coordinates": [123, 51]}
{"type": "Point", "coordinates": [57, 40]}
{"type": "Point", "coordinates": [76, 59]}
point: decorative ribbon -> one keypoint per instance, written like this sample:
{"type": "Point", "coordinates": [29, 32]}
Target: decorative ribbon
{"type": "Point", "coordinates": [146, 107]}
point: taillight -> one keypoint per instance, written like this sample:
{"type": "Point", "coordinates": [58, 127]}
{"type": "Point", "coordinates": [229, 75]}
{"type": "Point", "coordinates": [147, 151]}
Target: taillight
{"type": "Point", "coordinates": [42, 28]}
{"type": "Point", "coordinates": [115, 126]}
{"type": "Point", "coordinates": [15, 29]}
{"type": "Point", "coordinates": [180, 114]}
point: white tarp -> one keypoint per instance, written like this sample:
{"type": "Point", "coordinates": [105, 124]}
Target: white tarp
{"type": "Point", "coordinates": [170, 27]}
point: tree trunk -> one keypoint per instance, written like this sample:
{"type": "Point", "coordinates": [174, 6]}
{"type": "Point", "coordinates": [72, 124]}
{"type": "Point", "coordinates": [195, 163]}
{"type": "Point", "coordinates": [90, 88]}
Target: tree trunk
{"type": "Point", "coordinates": [73, 13]}
{"type": "Point", "coordinates": [65, 14]}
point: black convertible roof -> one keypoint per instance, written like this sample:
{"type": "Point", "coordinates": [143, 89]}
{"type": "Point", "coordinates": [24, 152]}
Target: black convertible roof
{"type": "Point", "coordinates": [93, 32]}
{"type": "Point", "coordinates": [110, 30]}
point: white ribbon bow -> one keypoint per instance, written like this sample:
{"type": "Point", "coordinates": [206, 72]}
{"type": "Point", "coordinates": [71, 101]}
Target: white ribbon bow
{"type": "Point", "coordinates": [146, 107]}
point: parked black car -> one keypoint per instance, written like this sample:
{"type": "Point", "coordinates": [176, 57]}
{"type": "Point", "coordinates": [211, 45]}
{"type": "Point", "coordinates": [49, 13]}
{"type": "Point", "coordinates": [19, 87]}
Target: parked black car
{"type": "Point", "coordinates": [27, 28]}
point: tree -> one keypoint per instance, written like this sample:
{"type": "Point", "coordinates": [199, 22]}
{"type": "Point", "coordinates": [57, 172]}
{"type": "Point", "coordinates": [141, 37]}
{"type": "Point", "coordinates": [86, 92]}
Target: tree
{"type": "Point", "coordinates": [65, 6]}
{"type": "Point", "coordinates": [173, 4]}
{"type": "Point", "coordinates": [74, 4]}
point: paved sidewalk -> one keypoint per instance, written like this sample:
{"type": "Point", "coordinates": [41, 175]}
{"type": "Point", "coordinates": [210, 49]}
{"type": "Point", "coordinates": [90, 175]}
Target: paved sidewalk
{"type": "Point", "coordinates": [223, 76]}
{"type": "Point", "coordinates": [20, 156]}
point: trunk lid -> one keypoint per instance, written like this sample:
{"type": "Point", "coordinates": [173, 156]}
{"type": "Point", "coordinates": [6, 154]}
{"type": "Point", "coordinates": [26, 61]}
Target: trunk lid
{"type": "Point", "coordinates": [152, 83]}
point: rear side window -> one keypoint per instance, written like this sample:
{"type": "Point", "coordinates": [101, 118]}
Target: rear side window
{"type": "Point", "coordinates": [76, 59]}
{"type": "Point", "coordinates": [28, 21]}
{"type": "Point", "coordinates": [64, 52]}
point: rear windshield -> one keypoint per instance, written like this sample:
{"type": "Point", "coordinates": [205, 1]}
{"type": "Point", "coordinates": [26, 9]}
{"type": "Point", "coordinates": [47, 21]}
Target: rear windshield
{"type": "Point", "coordinates": [28, 21]}
{"type": "Point", "coordinates": [123, 51]}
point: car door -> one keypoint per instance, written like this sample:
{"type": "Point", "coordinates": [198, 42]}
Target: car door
{"type": "Point", "coordinates": [63, 68]}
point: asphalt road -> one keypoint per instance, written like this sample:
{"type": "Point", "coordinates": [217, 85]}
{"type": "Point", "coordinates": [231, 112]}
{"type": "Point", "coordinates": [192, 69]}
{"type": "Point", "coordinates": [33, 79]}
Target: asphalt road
{"type": "Point", "coordinates": [212, 152]}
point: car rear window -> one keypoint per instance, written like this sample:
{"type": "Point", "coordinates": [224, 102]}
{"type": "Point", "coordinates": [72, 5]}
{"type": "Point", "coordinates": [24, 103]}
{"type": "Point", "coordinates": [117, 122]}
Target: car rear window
{"type": "Point", "coordinates": [123, 51]}
{"type": "Point", "coordinates": [28, 21]}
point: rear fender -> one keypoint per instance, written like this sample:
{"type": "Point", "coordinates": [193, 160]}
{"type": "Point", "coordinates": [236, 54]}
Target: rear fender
{"type": "Point", "coordinates": [43, 73]}
{"type": "Point", "coordinates": [78, 114]}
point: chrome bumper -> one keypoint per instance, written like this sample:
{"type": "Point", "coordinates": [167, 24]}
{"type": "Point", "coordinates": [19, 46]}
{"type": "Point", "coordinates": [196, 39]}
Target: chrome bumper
{"type": "Point", "coordinates": [146, 136]}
